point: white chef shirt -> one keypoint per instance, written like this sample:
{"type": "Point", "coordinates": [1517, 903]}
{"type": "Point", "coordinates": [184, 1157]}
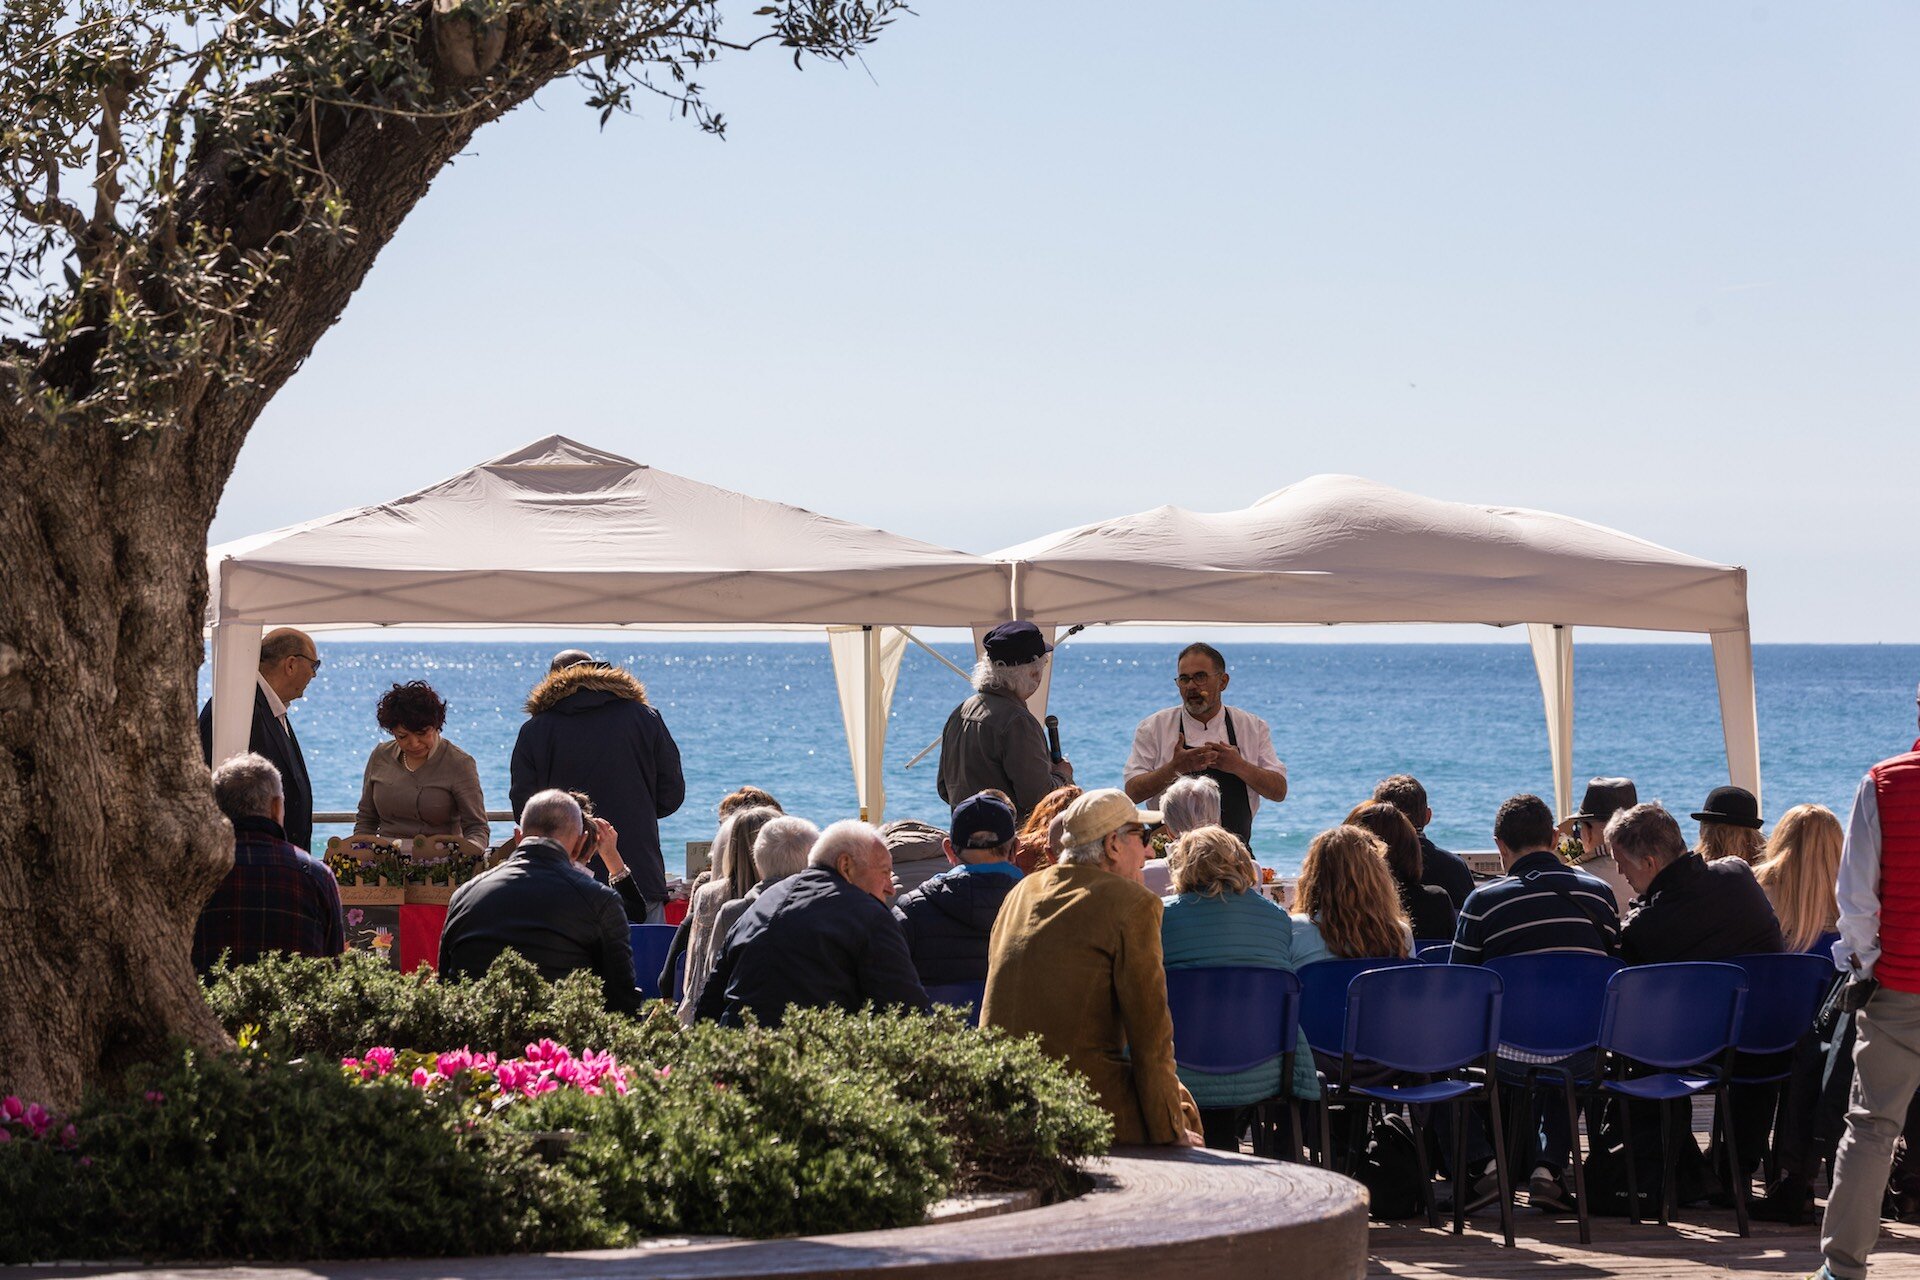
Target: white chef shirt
{"type": "Point", "coordinates": [1158, 736]}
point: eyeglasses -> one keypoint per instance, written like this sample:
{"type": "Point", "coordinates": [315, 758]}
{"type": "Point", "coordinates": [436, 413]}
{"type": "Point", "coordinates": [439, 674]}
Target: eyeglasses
{"type": "Point", "coordinates": [1135, 830]}
{"type": "Point", "coordinates": [313, 660]}
{"type": "Point", "coordinates": [1195, 677]}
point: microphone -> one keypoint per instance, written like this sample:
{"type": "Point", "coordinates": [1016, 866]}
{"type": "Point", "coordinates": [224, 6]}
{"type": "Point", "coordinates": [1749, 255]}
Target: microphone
{"type": "Point", "coordinates": [1053, 739]}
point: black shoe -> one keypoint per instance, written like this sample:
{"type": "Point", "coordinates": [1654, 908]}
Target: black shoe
{"type": "Point", "coordinates": [1484, 1191]}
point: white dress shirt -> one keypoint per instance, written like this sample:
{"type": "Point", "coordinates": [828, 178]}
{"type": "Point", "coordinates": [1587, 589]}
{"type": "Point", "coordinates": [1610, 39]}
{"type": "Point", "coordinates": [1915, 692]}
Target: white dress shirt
{"type": "Point", "coordinates": [1158, 736]}
{"type": "Point", "coordinates": [274, 704]}
{"type": "Point", "coordinates": [1858, 888]}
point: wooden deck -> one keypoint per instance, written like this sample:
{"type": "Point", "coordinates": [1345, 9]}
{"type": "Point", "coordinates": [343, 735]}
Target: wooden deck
{"type": "Point", "coordinates": [1702, 1245]}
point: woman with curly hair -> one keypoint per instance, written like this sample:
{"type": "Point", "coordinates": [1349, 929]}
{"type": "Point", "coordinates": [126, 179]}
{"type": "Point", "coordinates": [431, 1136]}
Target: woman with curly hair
{"type": "Point", "coordinates": [1036, 844]}
{"type": "Point", "coordinates": [1217, 918]}
{"type": "Point", "coordinates": [1348, 908]}
{"type": "Point", "coordinates": [1427, 906]}
{"type": "Point", "coordinates": [419, 784]}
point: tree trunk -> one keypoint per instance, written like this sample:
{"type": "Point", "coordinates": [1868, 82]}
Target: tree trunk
{"type": "Point", "coordinates": [109, 840]}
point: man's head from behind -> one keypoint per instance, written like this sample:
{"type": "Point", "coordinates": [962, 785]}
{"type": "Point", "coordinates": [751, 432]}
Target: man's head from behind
{"type": "Point", "coordinates": [1404, 792]}
{"type": "Point", "coordinates": [248, 786]}
{"type": "Point", "coordinates": [781, 848]}
{"type": "Point", "coordinates": [982, 830]}
{"type": "Point", "coordinates": [554, 815]}
{"type": "Point", "coordinates": [1645, 840]}
{"type": "Point", "coordinates": [855, 851]}
{"type": "Point", "coordinates": [1524, 825]}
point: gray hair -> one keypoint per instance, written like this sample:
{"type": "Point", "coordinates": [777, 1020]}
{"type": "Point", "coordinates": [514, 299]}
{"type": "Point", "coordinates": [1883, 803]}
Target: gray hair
{"type": "Point", "coordinates": [246, 787]}
{"type": "Point", "coordinates": [849, 837]}
{"type": "Point", "coordinates": [1646, 833]}
{"type": "Point", "coordinates": [1085, 855]}
{"type": "Point", "coordinates": [1189, 804]}
{"type": "Point", "coordinates": [553, 814]}
{"type": "Point", "coordinates": [781, 848]}
{"type": "Point", "coordinates": [1018, 680]}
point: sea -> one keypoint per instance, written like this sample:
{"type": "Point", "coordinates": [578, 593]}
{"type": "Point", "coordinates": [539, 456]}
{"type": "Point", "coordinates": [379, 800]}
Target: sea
{"type": "Point", "coordinates": [1466, 719]}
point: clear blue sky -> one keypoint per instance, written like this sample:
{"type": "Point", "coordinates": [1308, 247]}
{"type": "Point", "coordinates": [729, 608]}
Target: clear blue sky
{"type": "Point", "coordinates": [1653, 265]}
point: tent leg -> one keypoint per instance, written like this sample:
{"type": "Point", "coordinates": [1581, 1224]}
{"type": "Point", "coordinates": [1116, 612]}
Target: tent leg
{"type": "Point", "coordinates": [1553, 660]}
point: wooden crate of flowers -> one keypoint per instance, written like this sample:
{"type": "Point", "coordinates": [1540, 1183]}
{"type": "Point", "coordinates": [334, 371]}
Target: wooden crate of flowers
{"type": "Point", "coordinates": [440, 864]}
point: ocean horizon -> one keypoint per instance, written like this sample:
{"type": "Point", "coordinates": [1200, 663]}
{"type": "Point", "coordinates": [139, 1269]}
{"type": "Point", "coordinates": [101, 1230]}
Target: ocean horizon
{"type": "Point", "coordinates": [1464, 718]}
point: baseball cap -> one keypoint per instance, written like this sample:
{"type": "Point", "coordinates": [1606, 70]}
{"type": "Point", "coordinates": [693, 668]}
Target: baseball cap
{"type": "Point", "coordinates": [981, 822]}
{"type": "Point", "coordinates": [1015, 643]}
{"type": "Point", "coordinates": [1098, 814]}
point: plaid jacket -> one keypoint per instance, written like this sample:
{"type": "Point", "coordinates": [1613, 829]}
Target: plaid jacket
{"type": "Point", "coordinates": [276, 898]}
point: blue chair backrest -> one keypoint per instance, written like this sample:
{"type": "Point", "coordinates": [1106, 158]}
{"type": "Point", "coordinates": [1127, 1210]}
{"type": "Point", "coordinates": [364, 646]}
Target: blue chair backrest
{"type": "Point", "coordinates": [1791, 987]}
{"type": "Point", "coordinates": [1231, 1019]}
{"type": "Point", "coordinates": [1424, 1018]}
{"type": "Point", "coordinates": [650, 943]}
{"type": "Point", "coordinates": [1323, 997]}
{"type": "Point", "coordinates": [1673, 1015]}
{"type": "Point", "coordinates": [1823, 945]}
{"type": "Point", "coordinates": [961, 995]}
{"type": "Point", "coordinates": [1434, 952]}
{"type": "Point", "coordinates": [1552, 999]}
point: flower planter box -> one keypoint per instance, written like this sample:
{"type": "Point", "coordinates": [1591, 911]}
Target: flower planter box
{"type": "Point", "coordinates": [372, 895]}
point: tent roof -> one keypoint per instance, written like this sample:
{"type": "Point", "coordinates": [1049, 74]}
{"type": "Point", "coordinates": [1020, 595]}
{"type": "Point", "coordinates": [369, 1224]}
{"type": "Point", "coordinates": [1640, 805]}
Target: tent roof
{"type": "Point", "coordinates": [1335, 548]}
{"type": "Point", "coordinates": [558, 533]}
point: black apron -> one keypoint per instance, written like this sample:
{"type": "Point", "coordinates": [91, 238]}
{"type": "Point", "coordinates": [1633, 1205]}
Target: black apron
{"type": "Point", "coordinates": [1236, 808]}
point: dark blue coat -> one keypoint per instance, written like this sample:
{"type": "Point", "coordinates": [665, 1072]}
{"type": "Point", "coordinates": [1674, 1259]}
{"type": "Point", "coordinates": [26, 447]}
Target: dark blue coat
{"type": "Point", "coordinates": [812, 940]}
{"type": "Point", "coordinates": [948, 920]}
{"type": "Point", "coordinates": [591, 729]}
{"type": "Point", "coordinates": [1447, 870]}
{"type": "Point", "coordinates": [282, 750]}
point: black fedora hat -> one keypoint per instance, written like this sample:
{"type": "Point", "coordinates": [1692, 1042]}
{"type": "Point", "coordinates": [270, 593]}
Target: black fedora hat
{"type": "Point", "coordinates": [1734, 806]}
{"type": "Point", "coordinates": [1604, 798]}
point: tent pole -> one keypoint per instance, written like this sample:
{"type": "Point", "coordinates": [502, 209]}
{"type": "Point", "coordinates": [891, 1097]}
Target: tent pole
{"type": "Point", "coordinates": [1553, 660]}
{"type": "Point", "coordinates": [1739, 719]}
{"type": "Point", "coordinates": [873, 785]}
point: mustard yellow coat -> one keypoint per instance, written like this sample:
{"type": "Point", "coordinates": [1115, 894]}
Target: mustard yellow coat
{"type": "Point", "coordinates": [1075, 959]}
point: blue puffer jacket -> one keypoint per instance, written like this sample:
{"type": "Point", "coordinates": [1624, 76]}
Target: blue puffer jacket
{"type": "Point", "coordinates": [948, 920]}
{"type": "Point", "coordinates": [591, 730]}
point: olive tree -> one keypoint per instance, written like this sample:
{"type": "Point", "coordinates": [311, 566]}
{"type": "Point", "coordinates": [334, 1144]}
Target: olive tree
{"type": "Point", "coordinates": [190, 192]}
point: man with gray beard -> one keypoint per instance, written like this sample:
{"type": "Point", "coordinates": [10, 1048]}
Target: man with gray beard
{"type": "Point", "coordinates": [992, 742]}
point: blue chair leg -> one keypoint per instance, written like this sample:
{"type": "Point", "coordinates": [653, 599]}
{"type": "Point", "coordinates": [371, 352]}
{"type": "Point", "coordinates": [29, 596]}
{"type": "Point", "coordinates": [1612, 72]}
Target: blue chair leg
{"type": "Point", "coordinates": [1573, 1154]}
{"type": "Point", "coordinates": [1735, 1179]}
{"type": "Point", "coordinates": [1667, 1193]}
{"type": "Point", "coordinates": [1462, 1185]}
{"type": "Point", "coordinates": [1500, 1172]}
{"type": "Point", "coordinates": [1426, 1169]}
{"type": "Point", "coordinates": [1633, 1162]}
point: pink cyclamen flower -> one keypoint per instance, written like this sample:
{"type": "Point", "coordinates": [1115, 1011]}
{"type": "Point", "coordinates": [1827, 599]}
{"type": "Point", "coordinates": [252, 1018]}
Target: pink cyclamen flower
{"type": "Point", "coordinates": [38, 1119]}
{"type": "Point", "coordinates": [510, 1075]}
{"type": "Point", "coordinates": [156, 1097]}
{"type": "Point", "coordinates": [380, 1059]}
{"type": "Point", "coordinates": [421, 1079]}
{"type": "Point", "coordinates": [548, 1052]}
{"type": "Point", "coordinates": [664, 1072]}
{"type": "Point", "coordinates": [453, 1062]}
{"type": "Point", "coordinates": [11, 1108]}
{"type": "Point", "coordinates": [69, 1136]}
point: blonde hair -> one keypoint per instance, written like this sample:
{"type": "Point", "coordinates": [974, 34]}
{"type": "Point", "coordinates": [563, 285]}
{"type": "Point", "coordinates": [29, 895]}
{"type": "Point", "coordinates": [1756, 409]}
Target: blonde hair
{"type": "Point", "coordinates": [1801, 866]}
{"type": "Point", "coordinates": [1210, 861]}
{"type": "Point", "coordinates": [1346, 889]}
{"type": "Point", "coordinates": [733, 853]}
{"type": "Point", "coordinates": [1723, 840]}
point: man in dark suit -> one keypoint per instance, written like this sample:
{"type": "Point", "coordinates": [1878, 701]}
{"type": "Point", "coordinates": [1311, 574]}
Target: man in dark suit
{"type": "Point", "coordinates": [288, 662]}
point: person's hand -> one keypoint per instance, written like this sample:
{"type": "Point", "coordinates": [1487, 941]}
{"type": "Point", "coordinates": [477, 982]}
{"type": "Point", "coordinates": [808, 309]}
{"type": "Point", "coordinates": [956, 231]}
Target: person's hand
{"type": "Point", "coordinates": [607, 845]}
{"type": "Point", "coordinates": [1227, 756]}
{"type": "Point", "coordinates": [1063, 770]}
{"type": "Point", "coordinates": [1193, 759]}
{"type": "Point", "coordinates": [1188, 1138]}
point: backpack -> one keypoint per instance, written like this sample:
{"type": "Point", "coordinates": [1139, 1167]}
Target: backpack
{"type": "Point", "coordinates": [1390, 1169]}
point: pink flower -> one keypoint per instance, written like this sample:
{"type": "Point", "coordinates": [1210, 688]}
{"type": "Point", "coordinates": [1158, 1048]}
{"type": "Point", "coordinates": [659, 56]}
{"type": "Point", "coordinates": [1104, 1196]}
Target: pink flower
{"type": "Point", "coordinates": [664, 1072]}
{"type": "Point", "coordinates": [11, 1108]}
{"type": "Point", "coordinates": [511, 1075]}
{"type": "Point", "coordinates": [38, 1120]}
{"type": "Point", "coordinates": [453, 1062]}
{"type": "Point", "coordinates": [354, 917]}
{"type": "Point", "coordinates": [156, 1097]}
{"type": "Point", "coordinates": [69, 1136]}
{"type": "Point", "coordinates": [420, 1078]}
{"type": "Point", "coordinates": [381, 1060]}
{"type": "Point", "coordinates": [548, 1052]}
{"type": "Point", "coordinates": [86, 1162]}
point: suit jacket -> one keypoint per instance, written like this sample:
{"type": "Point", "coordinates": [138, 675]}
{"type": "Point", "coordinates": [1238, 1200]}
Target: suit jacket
{"type": "Point", "coordinates": [282, 749]}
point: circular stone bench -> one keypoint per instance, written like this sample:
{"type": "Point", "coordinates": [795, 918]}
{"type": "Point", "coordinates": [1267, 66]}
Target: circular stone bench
{"type": "Point", "coordinates": [1152, 1211]}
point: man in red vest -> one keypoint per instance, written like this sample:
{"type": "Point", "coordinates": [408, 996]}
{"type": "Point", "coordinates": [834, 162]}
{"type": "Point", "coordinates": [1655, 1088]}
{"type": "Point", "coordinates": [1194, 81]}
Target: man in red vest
{"type": "Point", "coordinates": [1879, 893]}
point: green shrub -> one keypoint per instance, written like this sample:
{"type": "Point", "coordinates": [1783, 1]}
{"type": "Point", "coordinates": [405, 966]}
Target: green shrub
{"type": "Point", "coordinates": [1015, 1117]}
{"type": "Point", "coordinates": [237, 1156]}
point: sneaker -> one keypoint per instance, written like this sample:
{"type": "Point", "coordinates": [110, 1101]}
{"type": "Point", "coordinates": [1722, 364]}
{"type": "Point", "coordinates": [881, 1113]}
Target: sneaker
{"type": "Point", "coordinates": [1484, 1191]}
{"type": "Point", "coordinates": [1545, 1193]}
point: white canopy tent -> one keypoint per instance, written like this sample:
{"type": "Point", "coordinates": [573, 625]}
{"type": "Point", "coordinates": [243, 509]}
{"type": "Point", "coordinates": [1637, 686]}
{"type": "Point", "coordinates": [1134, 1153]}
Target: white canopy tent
{"type": "Point", "coordinates": [1333, 549]}
{"type": "Point", "coordinates": [560, 534]}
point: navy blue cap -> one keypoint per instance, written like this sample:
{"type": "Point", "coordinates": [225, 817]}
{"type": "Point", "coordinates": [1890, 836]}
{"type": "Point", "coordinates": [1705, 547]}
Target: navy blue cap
{"type": "Point", "coordinates": [981, 822]}
{"type": "Point", "coordinates": [1016, 642]}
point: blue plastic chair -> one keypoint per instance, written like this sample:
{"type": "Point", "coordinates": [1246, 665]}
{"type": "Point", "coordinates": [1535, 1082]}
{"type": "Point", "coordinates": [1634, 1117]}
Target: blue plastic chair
{"type": "Point", "coordinates": [1795, 983]}
{"type": "Point", "coordinates": [1434, 952]}
{"type": "Point", "coordinates": [961, 995]}
{"type": "Point", "coordinates": [1232, 1019]}
{"type": "Point", "coordinates": [1551, 1009]}
{"type": "Point", "coordinates": [1323, 998]}
{"type": "Point", "coordinates": [650, 943]}
{"type": "Point", "coordinates": [1681, 1020]}
{"type": "Point", "coordinates": [1823, 945]}
{"type": "Point", "coordinates": [1432, 1022]}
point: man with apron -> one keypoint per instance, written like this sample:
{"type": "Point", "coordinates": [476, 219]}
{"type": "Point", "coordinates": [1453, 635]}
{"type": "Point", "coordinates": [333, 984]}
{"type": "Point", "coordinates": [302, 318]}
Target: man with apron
{"type": "Point", "coordinates": [1206, 737]}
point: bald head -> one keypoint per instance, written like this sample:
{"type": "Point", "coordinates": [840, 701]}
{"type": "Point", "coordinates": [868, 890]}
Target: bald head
{"type": "Point", "coordinates": [288, 661]}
